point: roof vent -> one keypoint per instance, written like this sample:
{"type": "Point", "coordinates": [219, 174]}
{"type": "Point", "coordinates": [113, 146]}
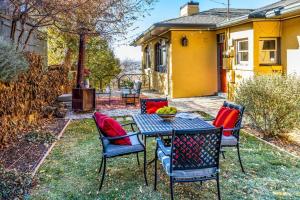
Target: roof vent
{"type": "Point", "coordinates": [189, 8]}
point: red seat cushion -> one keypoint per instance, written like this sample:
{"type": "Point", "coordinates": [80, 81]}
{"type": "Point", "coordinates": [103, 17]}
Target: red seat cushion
{"type": "Point", "coordinates": [153, 106]}
{"type": "Point", "coordinates": [227, 118]}
{"type": "Point", "coordinates": [111, 128]}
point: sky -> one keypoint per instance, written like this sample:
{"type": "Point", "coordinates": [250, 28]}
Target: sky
{"type": "Point", "coordinates": [167, 9]}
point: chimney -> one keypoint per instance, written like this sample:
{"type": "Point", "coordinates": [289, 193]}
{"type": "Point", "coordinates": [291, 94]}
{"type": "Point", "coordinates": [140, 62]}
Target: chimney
{"type": "Point", "coordinates": [189, 8]}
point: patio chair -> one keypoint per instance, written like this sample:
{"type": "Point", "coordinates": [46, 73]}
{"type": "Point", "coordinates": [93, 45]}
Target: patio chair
{"type": "Point", "coordinates": [192, 157]}
{"type": "Point", "coordinates": [144, 103]}
{"type": "Point", "coordinates": [234, 139]}
{"type": "Point", "coordinates": [110, 150]}
{"type": "Point", "coordinates": [130, 96]}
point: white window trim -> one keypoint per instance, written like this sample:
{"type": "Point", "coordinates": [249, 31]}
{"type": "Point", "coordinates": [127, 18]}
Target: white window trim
{"type": "Point", "coordinates": [242, 63]}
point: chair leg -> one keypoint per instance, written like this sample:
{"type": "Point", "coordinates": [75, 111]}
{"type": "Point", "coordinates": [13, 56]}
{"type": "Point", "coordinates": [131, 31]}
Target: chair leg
{"type": "Point", "coordinates": [137, 158]}
{"type": "Point", "coordinates": [240, 160]}
{"type": "Point", "coordinates": [145, 167]}
{"type": "Point", "coordinates": [218, 186]}
{"type": "Point", "coordinates": [103, 174]}
{"type": "Point", "coordinates": [155, 171]}
{"type": "Point", "coordinates": [223, 154]}
{"type": "Point", "coordinates": [171, 188]}
{"type": "Point", "coordinates": [100, 168]}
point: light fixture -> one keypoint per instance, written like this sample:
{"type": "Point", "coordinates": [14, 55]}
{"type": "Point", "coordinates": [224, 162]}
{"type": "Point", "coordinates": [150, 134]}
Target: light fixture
{"type": "Point", "coordinates": [184, 41]}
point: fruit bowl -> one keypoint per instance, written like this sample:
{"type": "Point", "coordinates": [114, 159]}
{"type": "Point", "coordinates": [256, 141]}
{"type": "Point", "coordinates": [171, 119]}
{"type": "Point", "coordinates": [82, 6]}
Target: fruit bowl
{"type": "Point", "coordinates": [167, 113]}
{"type": "Point", "coordinates": [167, 117]}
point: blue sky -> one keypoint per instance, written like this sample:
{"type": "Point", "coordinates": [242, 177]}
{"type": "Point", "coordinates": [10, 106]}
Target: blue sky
{"type": "Point", "coordinates": [167, 9]}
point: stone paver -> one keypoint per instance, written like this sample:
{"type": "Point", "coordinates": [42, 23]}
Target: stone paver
{"type": "Point", "coordinates": [209, 105]}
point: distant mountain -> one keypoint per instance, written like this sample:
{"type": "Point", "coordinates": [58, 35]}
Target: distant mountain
{"type": "Point", "coordinates": [131, 67]}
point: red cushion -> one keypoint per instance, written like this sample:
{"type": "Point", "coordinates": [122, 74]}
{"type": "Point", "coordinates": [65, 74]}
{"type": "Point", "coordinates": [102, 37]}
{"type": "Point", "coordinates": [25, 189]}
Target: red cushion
{"type": "Point", "coordinates": [227, 118]}
{"type": "Point", "coordinates": [219, 115]}
{"type": "Point", "coordinates": [111, 128]}
{"type": "Point", "coordinates": [153, 106]}
{"type": "Point", "coordinates": [99, 118]}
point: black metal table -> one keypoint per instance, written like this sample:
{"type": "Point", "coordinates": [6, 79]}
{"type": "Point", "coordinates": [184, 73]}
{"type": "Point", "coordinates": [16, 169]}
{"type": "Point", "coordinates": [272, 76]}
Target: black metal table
{"type": "Point", "coordinates": [154, 126]}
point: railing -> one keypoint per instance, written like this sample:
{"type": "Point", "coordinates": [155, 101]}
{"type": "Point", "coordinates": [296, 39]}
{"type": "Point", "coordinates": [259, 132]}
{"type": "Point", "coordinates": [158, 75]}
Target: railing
{"type": "Point", "coordinates": [116, 82]}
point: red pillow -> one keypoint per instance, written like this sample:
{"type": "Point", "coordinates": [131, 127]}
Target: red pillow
{"type": "Point", "coordinates": [227, 118]}
{"type": "Point", "coordinates": [153, 106]}
{"type": "Point", "coordinates": [99, 118]}
{"type": "Point", "coordinates": [219, 115]}
{"type": "Point", "coordinates": [112, 128]}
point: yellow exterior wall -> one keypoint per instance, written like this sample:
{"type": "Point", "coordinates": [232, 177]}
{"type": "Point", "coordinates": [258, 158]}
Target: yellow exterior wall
{"type": "Point", "coordinates": [194, 71]}
{"type": "Point", "coordinates": [265, 29]}
{"type": "Point", "coordinates": [158, 81]}
{"type": "Point", "coordinates": [290, 31]}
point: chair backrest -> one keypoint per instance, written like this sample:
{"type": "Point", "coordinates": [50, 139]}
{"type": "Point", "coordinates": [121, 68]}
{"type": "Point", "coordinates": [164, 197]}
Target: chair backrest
{"type": "Point", "coordinates": [104, 141]}
{"type": "Point", "coordinates": [138, 86]}
{"type": "Point", "coordinates": [241, 110]}
{"type": "Point", "coordinates": [195, 149]}
{"type": "Point", "coordinates": [144, 101]}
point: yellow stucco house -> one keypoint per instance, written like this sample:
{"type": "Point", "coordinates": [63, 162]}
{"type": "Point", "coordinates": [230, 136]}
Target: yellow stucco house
{"type": "Point", "coordinates": [209, 52]}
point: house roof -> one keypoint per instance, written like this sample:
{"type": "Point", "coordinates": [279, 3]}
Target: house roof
{"type": "Point", "coordinates": [215, 18]}
{"type": "Point", "coordinates": [212, 16]}
{"type": "Point", "coordinates": [261, 12]}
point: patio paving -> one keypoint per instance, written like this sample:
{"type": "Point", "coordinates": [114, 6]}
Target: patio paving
{"type": "Point", "coordinates": [209, 104]}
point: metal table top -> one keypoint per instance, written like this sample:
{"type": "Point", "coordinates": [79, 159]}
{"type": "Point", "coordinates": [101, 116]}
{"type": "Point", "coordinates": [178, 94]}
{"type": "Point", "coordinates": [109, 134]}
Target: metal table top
{"type": "Point", "coordinates": [153, 125]}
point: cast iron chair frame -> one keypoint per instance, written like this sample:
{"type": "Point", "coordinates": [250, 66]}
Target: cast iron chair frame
{"type": "Point", "coordinates": [143, 103]}
{"type": "Point", "coordinates": [236, 130]}
{"type": "Point", "coordinates": [197, 179]}
{"type": "Point", "coordinates": [104, 156]}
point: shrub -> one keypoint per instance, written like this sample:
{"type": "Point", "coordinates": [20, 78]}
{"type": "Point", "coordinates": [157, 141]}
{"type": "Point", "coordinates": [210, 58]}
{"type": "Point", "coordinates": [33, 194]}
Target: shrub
{"type": "Point", "coordinates": [12, 62]}
{"type": "Point", "coordinates": [272, 103]}
{"type": "Point", "coordinates": [13, 184]}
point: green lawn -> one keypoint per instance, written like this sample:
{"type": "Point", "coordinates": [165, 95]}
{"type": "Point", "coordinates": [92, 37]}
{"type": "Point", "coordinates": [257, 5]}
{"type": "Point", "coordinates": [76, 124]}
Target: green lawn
{"type": "Point", "coordinates": [70, 172]}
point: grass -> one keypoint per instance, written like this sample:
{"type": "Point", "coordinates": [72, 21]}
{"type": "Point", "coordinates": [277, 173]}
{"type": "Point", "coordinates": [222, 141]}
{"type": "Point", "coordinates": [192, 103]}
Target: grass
{"type": "Point", "coordinates": [70, 172]}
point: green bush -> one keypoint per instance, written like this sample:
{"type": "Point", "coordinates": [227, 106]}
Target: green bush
{"type": "Point", "coordinates": [272, 103]}
{"type": "Point", "coordinates": [13, 184]}
{"type": "Point", "coordinates": [12, 62]}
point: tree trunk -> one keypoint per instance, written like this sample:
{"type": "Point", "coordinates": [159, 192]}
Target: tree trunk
{"type": "Point", "coordinates": [81, 60]}
{"type": "Point", "coordinates": [13, 30]}
{"type": "Point", "coordinates": [68, 59]}
{"type": "Point", "coordinates": [27, 39]}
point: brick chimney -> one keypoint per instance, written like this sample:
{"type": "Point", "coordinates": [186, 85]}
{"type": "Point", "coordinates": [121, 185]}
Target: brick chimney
{"type": "Point", "coordinates": [189, 8]}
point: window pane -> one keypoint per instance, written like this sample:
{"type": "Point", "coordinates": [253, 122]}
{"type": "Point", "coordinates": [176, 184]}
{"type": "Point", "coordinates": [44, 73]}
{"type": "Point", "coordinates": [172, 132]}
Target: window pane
{"type": "Point", "coordinates": [269, 45]}
{"type": "Point", "coordinates": [243, 56]}
{"type": "Point", "coordinates": [243, 45]}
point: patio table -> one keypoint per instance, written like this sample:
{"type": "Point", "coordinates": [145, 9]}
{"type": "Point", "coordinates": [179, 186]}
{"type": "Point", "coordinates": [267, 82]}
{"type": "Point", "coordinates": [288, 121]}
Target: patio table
{"type": "Point", "coordinates": [153, 126]}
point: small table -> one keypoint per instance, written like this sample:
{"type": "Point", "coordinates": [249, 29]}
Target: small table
{"type": "Point", "coordinates": [154, 126]}
{"type": "Point", "coordinates": [128, 96]}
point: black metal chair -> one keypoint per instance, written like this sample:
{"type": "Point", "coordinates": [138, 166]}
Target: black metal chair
{"type": "Point", "coordinates": [144, 101]}
{"type": "Point", "coordinates": [234, 139]}
{"type": "Point", "coordinates": [192, 157]}
{"type": "Point", "coordinates": [110, 150]}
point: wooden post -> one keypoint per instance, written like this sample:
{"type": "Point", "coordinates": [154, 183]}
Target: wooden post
{"type": "Point", "coordinates": [81, 60]}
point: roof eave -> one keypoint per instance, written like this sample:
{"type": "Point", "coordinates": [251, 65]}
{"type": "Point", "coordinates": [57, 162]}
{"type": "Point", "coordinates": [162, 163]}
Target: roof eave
{"type": "Point", "coordinates": [169, 26]}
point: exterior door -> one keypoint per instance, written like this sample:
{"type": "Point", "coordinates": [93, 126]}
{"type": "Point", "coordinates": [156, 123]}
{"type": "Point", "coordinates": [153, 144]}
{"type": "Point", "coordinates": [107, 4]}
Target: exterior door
{"type": "Point", "coordinates": [221, 71]}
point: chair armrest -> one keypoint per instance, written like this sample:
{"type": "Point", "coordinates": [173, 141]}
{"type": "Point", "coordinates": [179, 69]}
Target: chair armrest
{"type": "Point", "coordinates": [131, 124]}
{"type": "Point", "coordinates": [161, 145]}
{"type": "Point", "coordinates": [209, 120]}
{"type": "Point", "coordinates": [233, 129]}
{"type": "Point", "coordinates": [121, 137]}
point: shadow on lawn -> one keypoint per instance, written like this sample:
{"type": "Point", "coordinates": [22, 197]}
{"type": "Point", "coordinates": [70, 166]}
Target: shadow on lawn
{"type": "Point", "coordinates": [70, 172]}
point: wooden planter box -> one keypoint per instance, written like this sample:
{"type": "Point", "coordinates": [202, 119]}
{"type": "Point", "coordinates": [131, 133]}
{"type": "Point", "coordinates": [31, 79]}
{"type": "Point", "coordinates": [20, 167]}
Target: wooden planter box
{"type": "Point", "coordinates": [83, 99]}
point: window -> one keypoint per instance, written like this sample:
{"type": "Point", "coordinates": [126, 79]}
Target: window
{"type": "Point", "coordinates": [147, 53]}
{"type": "Point", "coordinates": [160, 57]}
{"type": "Point", "coordinates": [268, 51]}
{"type": "Point", "coordinates": [242, 52]}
